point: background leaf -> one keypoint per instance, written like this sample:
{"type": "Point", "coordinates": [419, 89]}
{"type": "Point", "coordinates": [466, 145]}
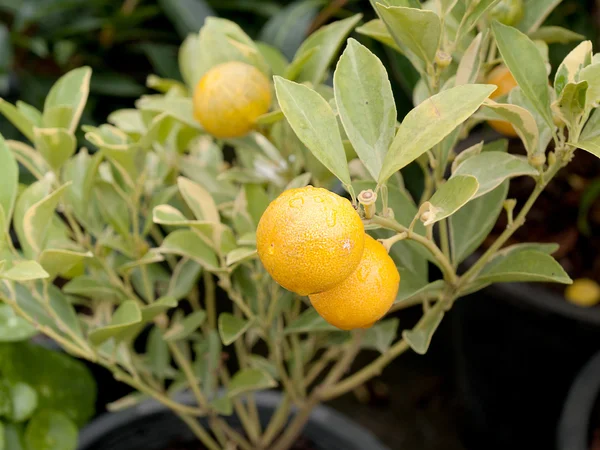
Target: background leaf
{"type": "Point", "coordinates": [71, 90]}
{"type": "Point", "coordinates": [9, 184]}
{"type": "Point", "coordinates": [50, 430]}
{"type": "Point", "coordinates": [13, 328]}
{"type": "Point", "coordinates": [535, 12]}
{"type": "Point", "coordinates": [365, 104]}
{"type": "Point", "coordinates": [231, 327]}
{"type": "Point", "coordinates": [247, 380]}
{"type": "Point", "coordinates": [430, 122]}
{"type": "Point", "coordinates": [126, 316]}
{"type": "Point", "coordinates": [420, 336]}
{"type": "Point", "coordinates": [381, 335]}
{"type": "Point", "coordinates": [527, 265]}
{"type": "Point", "coordinates": [313, 121]}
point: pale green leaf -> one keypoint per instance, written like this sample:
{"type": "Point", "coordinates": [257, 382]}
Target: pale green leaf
{"type": "Point", "coordinates": [466, 154]}
{"type": "Point", "coordinates": [56, 145]}
{"type": "Point", "coordinates": [70, 90]}
{"type": "Point", "coordinates": [525, 62]}
{"type": "Point", "coordinates": [555, 35]}
{"type": "Point", "coordinates": [431, 121]}
{"type": "Point", "coordinates": [545, 131]}
{"type": "Point", "coordinates": [416, 31]}
{"type": "Point", "coordinates": [420, 336]}
{"type": "Point", "coordinates": [240, 254]}
{"type": "Point", "coordinates": [536, 11]}
{"type": "Point", "coordinates": [381, 335]}
{"type": "Point", "coordinates": [199, 200]}
{"type": "Point", "coordinates": [406, 295]}
{"type": "Point", "coordinates": [50, 430]}
{"type": "Point", "coordinates": [492, 168]}
{"type": "Point", "coordinates": [591, 74]}
{"type": "Point", "coordinates": [571, 104]}
{"type": "Point", "coordinates": [24, 400]}
{"type": "Point", "coordinates": [481, 7]}
{"type": "Point", "coordinates": [113, 208]}
{"type": "Point", "coordinates": [248, 380]}
{"type": "Point", "coordinates": [309, 321]}
{"type": "Point", "coordinates": [591, 145]}
{"type": "Point", "coordinates": [376, 29]}
{"type": "Point", "coordinates": [186, 326]}
{"type": "Point", "coordinates": [527, 265]}
{"type": "Point", "coordinates": [450, 197]}
{"type": "Point", "coordinates": [313, 121]}
{"type": "Point", "coordinates": [17, 118]}
{"type": "Point", "coordinates": [58, 261]}
{"type": "Point", "coordinates": [157, 353]}
{"type": "Point", "coordinates": [24, 271]}
{"type": "Point", "coordinates": [188, 244]}
{"type": "Point", "coordinates": [33, 114]}
{"type": "Point", "coordinates": [365, 104]}
{"type": "Point", "coordinates": [520, 118]}
{"type": "Point", "coordinates": [9, 184]}
{"type": "Point", "coordinates": [323, 46]}
{"type": "Point", "coordinates": [126, 316]}
{"type": "Point", "coordinates": [470, 63]}
{"type": "Point", "coordinates": [12, 327]}
{"type": "Point", "coordinates": [87, 286]}
{"type": "Point", "coordinates": [571, 66]}
{"type": "Point", "coordinates": [471, 225]}
{"type": "Point", "coordinates": [185, 276]}
{"type": "Point", "coordinates": [231, 327]}
{"type": "Point", "coordinates": [300, 181]}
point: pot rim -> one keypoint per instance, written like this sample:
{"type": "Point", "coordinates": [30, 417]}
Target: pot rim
{"type": "Point", "coordinates": [322, 417]}
{"type": "Point", "coordinates": [574, 423]}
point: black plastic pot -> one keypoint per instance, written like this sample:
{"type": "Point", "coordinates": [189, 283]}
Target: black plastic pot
{"type": "Point", "coordinates": [574, 426]}
{"type": "Point", "coordinates": [518, 348]}
{"type": "Point", "coordinates": [151, 426]}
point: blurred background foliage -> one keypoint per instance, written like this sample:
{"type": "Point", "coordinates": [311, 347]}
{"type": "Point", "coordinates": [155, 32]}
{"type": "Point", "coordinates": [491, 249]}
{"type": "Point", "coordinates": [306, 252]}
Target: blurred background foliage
{"type": "Point", "coordinates": [125, 40]}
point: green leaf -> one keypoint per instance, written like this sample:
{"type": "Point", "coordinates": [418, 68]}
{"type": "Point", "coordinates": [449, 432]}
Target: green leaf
{"type": "Point", "coordinates": [420, 336]}
{"type": "Point", "coordinates": [274, 58]}
{"type": "Point", "coordinates": [525, 62]}
{"type": "Point", "coordinates": [56, 145]}
{"type": "Point", "coordinates": [70, 90]}
{"type": "Point", "coordinates": [309, 321]}
{"type": "Point", "coordinates": [232, 327]}
{"type": "Point", "coordinates": [248, 380]}
{"type": "Point", "coordinates": [535, 12]}
{"type": "Point", "coordinates": [376, 29]}
{"type": "Point", "coordinates": [545, 131]}
{"type": "Point", "coordinates": [13, 437]}
{"type": "Point", "coordinates": [449, 198]}
{"type": "Point", "coordinates": [33, 114]}
{"type": "Point", "coordinates": [24, 271]}
{"type": "Point", "coordinates": [300, 181]}
{"type": "Point", "coordinates": [313, 121]}
{"type": "Point", "coordinates": [481, 8]}
{"type": "Point", "coordinates": [182, 329]}
{"type": "Point", "coordinates": [571, 104]}
{"type": "Point", "coordinates": [263, 364]}
{"type": "Point", "coordinates": [471, 224]}
{"type": "Point", "coordinates": [12, 327]}
{"type": "Point", "coordinates": [5, 400]}
{"type": "Point", "coordinates": [405, 295]}
{"type": "Point", "coordinates": [365, 104]}
{"type": "Point", "coordinates": [9, 184]}
{"type": "Point", "coordinates": [222, 405]}
{"type": "Point", "coordinates": [184, 278]}
{"type": "Point", "coordinates": [520, 118]}
{"type": "Point", "coordinates": [61, 382]}
{"type": "Point", "coordinates": [381, 335]}
{"type": "Point", "coordinates": [57, 261]}
{"type": "Point", "coordinates": [591, 74]}
{"type": "Point", "coordinates": [178, 108]}
{"type": "Point", "coordinates": [17, 118]}
{"type": "Point", "coordinates": [470, 63]}
{"type": "Point", "coordinates": [188, 244]}
{"type": "Point", "coordinates": [208, 361]}
{"type": "Point", "coordinates": [555, 35]}
{"type": "Point", "coordinates": [157, 353]}
{"type": "Point", "coordinates": [571, 66]}
{"type": "Point", "coordinates": [35, 221]}
{"type": "Point", "coordinates": [528, 265]}
{"type": "Point", "coordinates": [416, 31]}
{"type": "Point", "coordinates": [24, 400]}
{"type": "Point", "coordinates": [159, 306]}
{"type": "Point", "coordinates": [322, 47]}
{"type": "Point", "coordinates": [239, 255]}
{"type": "Point", "coordinates": [466, 154]}
{"type": "Point", "coordinates": [188, 16]}
{"type": "Point", "coordinates": [2, 437]}
{"type": "Point", "coordinates": [199, 200]}
{"type": "Point", "coordinates": [113, 208]}
{"type": "Point", "coordinates": [63, 312]}
{"type": "Point", "coordinates": [430, 122]}
{"type": "Point", "coordinates": [492, 168]}
{"type": "Point", "coordinates": [51, 430]}
{"type": "Point", "coordinates": [87, 286]}
{"type": "Point", "coordinates": [126, 316]}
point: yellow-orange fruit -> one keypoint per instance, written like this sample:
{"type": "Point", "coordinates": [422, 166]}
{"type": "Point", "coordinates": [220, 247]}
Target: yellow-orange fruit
{"type": "Point", "coordinates": [583, 292]}
{"type": "Point", "coordinates": [310, 239]}
{"type": "Point", "coordinates": [230, 97]}
{"type": "Point", "coordinates": [365, 296]}
{"type": "Point", "coordinates": [505, 83]}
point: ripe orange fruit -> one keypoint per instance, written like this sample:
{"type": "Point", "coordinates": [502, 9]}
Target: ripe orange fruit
{"type": "Point", "coordinates": [310, 239]}
{"type": "Point", "coordinates": [583, 292]}
{"type": "Point", "coordinates": [365, 296]}
{"type": "Point", "coordinates": [502, 78]}
{"type": "Point", "coordinates": [230, 97]}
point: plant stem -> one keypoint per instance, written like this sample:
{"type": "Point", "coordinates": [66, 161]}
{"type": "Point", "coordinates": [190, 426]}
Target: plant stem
{"type": "Point", "coordinates": [278, 420]}
{"type": "Point", "coordinates": [185, 365]}
{"type": "Point", "coordinates": [444, 263]}
{"type": "Point", "coordinates": [210, 299]}
{"type": "Point", "coordinates": [366, 373]}
{"type": "Point", "coordinates": [445, 238]}
{"type": "Point", "coordinates": [199, 431]}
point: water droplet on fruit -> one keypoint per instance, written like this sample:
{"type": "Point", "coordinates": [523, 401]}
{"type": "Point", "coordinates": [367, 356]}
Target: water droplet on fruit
{"type": "Point", "coordinates": [318, 199]}
{"type": "Point", "coordinates": [271, 249]}
{"type": "Point", "coordinates": [331, 219]}
{"type": "Point", "coordinates": [296, 202]}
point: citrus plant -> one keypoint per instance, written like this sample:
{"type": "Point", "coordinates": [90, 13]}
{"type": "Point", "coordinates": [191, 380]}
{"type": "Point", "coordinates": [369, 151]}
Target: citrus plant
{"type": "Point", "coordinates": [207, 184]}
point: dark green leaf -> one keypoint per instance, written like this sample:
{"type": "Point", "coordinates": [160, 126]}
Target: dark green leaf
{"type": "Point", "coordinates": [420, 336]}
{"type": "Point", "coordinates": [524, 265]}
{"type": "Point", "coordinates": [381, 335]}
{"type": "Point", "coordinates": [309, 321]}
{"type": "Point", "coordinates": [50, 430]}
{"type": "Point", "coordinates": [231, 327]}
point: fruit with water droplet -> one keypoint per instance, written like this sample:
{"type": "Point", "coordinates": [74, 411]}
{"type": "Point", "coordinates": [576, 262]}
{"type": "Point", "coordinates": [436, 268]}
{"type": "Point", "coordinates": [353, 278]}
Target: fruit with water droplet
{"type": "Point", "coordinates": [230, 97]}
{"type": "Point", "coordinates": [365, 296]}
{"type": "Point", "coordinates": [310, 239]}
